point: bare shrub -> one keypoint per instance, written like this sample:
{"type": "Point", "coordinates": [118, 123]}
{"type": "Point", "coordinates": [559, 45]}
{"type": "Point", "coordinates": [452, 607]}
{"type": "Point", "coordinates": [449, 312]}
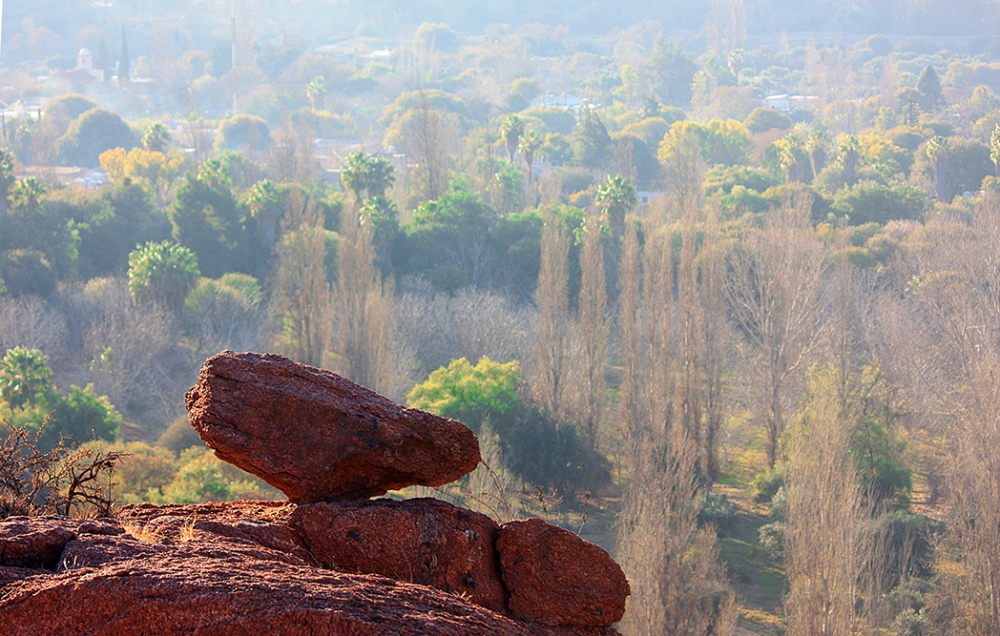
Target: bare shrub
{"type": "Point", "coordinates": [63, 481]}
{"type": "Point", "coordinates": [131, 354]}
{"type": "Point", "coordinates": [439, 328]}
{"type": "Point", "coordinates": [31, 322]}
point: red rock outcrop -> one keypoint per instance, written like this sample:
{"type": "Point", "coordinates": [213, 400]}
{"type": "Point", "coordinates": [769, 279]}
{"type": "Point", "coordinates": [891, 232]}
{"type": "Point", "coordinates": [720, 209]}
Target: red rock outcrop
{"type": "Point", "coordinates": [317, 436]}
{"type": "Point", "coordinates": [424, 541]}
{"type": "Point", "coordinates": [216, 585]}
{"type": "Point", "coordinates": [556, 578]}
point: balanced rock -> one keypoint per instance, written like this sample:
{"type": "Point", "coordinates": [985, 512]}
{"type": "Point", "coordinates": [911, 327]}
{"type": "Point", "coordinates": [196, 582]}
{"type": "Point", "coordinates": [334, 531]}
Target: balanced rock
{"type": "Point", "coordinates": [319, 437]}
{"type": "Point", "coordinates": [557, 579]}
{"type": "Point", "coordinates": [423, 541]}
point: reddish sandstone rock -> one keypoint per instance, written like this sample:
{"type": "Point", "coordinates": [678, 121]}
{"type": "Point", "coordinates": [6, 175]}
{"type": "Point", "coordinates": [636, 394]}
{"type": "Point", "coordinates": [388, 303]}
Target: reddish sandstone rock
{"type": "Point", "coordinates": [38, 542]}
{"type": "Point", "coordinates": [263, 523]}
{"type": "Point", "coordinates": [216, 589]}
{"type": "Point", "coordinates": [555, 578]}
{"type": "Point", "coordinates": [317, 436]}
{"type": "Point", "coordinates": [424, 541]}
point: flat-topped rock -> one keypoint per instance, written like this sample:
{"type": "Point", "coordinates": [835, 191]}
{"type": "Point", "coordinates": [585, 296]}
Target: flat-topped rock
{"type": "Point", "coordinates": [423, 541]}
{"type": "Point", "coordinates": [317, 436]}
{"type": "Point", "coordinates": [557, 579]}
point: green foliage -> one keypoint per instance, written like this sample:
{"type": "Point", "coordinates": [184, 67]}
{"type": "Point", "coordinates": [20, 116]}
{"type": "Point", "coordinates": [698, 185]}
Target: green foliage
{"type": "Point", "coordinates": [163, 273]}
{"type": "Point", "coordinates": [725, 142]}
{"type": "Point", "coordinates": [929, 88]}
{"type": "Point", "coordinates": [203, 477]}
{"type": "Point", "coordinates": [557, 149]}
{"type": "Point", "coordinates": [224, 313]}
{"type": "Point", "coordinates": [27, 271]}
{"type": "Point", "coordinates": [178, 437]}
{"type": "Point", "coordinates": [470, 394]}
{"type": "Point", "coordinates": [591, 141]}
{"type": "Point", "coordinates": [533, 446]}
{"type": "Point", "coordinates": [765, 485]}
{"type": "Point", "coordinates": [82, 415]}
{"type": "Point", "coordinates": [206, 220]}
{"type": "Point", "coordinates": [110, 223]}
{"type": "Point", "coordinates": [61, 111]}
{"type": "Point", "coordinates": [29, 398]}
{"type": "Point", "coordinates": [763, 119]}
{"type": "Point", "coordinates": [717, 511]}
{"type": "Point", "coordinates": [669, 73]}
{"type": "Point", "coordinates": [871, 202]}
{"type": "Point", "coordinates": [556, 120]}
{"type": "Point", "coordinates": [244, 132]}
{"type": "Point", "coordinates": [92, 133]}
{"type": "Point", "coordinates": [156, 137]}
{"type": "Point", "coordinates": [771, 539]}
{"type": "Point", "coordinates": [24, 376]}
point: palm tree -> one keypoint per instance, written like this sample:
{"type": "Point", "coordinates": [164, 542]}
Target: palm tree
{"type": "Point", "coordinates": [851, 150]}
{"type": "Point", "coordinates": [23, 375]}
{"type": "Point", "coordinates": [27, 193]}
{"type": "Point", "coordinates": [315, 91]}
{"type": "Point", "coordinates": [616, 196]}
{"type": "Point", "coordinates": [264, 201]}
{"type": "Point", "coordinates": [162, 272]}
{"type": "Point", "coordinates": [156, 137]}
{"type": "Point", "coordinates": [816, 144]}
{"type": "Point", "coordinates": [511, 131]}
{"type": "Point", "coordinates": [528, 144]}
{"type": "Point", "coordinates": [354, 175]}
{"type": "Point", "coordinates": [787, 147]}
{"type": "Point", "coordinates": [379, 177]}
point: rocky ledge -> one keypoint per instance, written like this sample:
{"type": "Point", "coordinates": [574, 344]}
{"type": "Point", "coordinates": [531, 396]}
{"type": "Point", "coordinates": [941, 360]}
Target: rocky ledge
{"type": "Point", "coordinates": [330, 564]}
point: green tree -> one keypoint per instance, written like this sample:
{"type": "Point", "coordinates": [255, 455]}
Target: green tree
{"type": "Point", "coordinates": [591, 141]}
{"type": "Point", "coordinates": [156, 137]}
{"type": "Point", "coordinates": [162, 272]}
{"type": "Point", "coordinates": [380, 175]}
{"type": "Point", "coordinates": [354, 174]}
{"type": "Point", "coordinates": [24, 375]}
{"type": "Point", "coordinates": [470, 394]}
{"type": "Point", "coordinates": [528, 144]}
{"type": "Point", "coordinates": [244, 132]}
{"type": "Point", "coordinates": [510, 132]}
{"type": "Point", "coordinates": [264, 201]}
{"type": "Point", "coordinates": [616, 196]}
{"type": "Point", "coordinates": [316, 90]}
{"type": "Point", "coordinates": [92, 133]}
{"type": "Point", "coordinates": [763, 119]}
{"type": "Point", "coordinates": [27, 195]}
{"type": "Point", "coordinates": [929, 89]}
{"type": "Point", "coordinates": [207, 221]}
{"type": "Point", "coordinates": [669, 73]}
{"type": "Point", "coordinates": [27, 271]}
{"type": "Point", "coordinates": [61, 111]}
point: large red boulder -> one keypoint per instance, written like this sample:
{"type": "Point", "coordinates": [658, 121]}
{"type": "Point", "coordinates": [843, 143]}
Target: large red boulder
{"type": "Point", "coordinates": [555, 578]}
{"type": "Point", "coordinates": [136, 582]}
{"type": "Point", "coordinates": [424, 541]}
{"type": "Point", "coordinates": [317, 436]}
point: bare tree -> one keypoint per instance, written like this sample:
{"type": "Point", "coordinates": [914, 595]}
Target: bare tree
{"type": "Point", "coordinates": [952, 321]}
{"type": "Point", "coordinates": [551, 350]}
{"type": "Point", "coordinates": [775, 294]}
{"type": "Point", "coordinates": [593, 331]}
{"type": "Point", "coordinates": [367, 319]}
{"type": "Point", "coordinates": [303, 299]}
{"type": "Point", "coordinates": [827, 542]}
